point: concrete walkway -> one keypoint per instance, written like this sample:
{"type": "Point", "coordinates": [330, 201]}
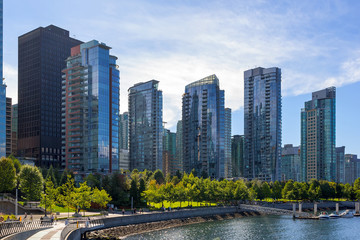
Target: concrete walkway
{"type": "Point", "coordinates": [49, 234]}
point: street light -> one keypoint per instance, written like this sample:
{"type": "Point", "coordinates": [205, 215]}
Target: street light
{"type": "Point", "coordinates": [45, 205]}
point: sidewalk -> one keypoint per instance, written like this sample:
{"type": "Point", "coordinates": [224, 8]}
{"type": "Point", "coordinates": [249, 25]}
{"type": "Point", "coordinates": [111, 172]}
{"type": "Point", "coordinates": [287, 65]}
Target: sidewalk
{"type": "Point", "coordinates": [49, 234]}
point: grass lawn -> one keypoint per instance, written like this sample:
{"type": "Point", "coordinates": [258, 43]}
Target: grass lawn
{"type": "Point", "coordinates": [183, 204]}
{"type": "Point", "coordinates": [62, 209]}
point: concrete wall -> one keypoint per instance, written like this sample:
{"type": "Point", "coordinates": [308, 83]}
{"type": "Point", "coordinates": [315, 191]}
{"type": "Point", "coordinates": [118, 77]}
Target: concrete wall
{"type": "Point", "coordinates": [8, 207]}
{"type": "Point", "coordinates": [161, 216]}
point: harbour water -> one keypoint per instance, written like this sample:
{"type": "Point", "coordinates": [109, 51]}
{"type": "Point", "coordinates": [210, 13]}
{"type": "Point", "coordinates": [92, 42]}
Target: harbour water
{"type": "Point", "coordinates": [261, 227]}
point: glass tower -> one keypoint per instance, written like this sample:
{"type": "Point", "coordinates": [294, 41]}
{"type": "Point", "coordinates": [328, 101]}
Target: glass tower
{"type": "Point", "coordinates": [124, 131]}
{"type": "Point", "coordinates": [91, 108]}
{"type": "Point", "coordinates": [169, 153]}
{"type": "Point", "coordinates": [318, 154]}
{"type": "Point", "coordinates": [42, 53]}
{"type": "Point", "coordinates": [237, 155]}
{"type": "Point", "coordinates": [145, 126]}
{"type": "Point", "coordinates": [290, 163]}
{"type": "Point", "coordinates": [2, 91]}
{"type": "Point", "coordinates": [179, 146]}
{"type": "Point", "coordinates": [203, 128]}
{"type": "Point", "coordinates": [262, 123]}
{"type": "Point", "coordinates": [228, 165]}
{"type": "Point", "coordinates": [340, 164]}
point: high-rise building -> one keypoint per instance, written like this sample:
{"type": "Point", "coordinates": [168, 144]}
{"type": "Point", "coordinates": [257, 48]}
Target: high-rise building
{"type": "Point", "coordinates": [203, 130]}
{"type": "Point", "coordinates": [41, 58]}
{"type": "Point", "coordinates": [124, 131]}
{"type": "Point", "coordinates": [179, 147]}
{"type": "Point", "coordinates": [352, 168]}
{"type": "Point", "coordinates": [145, 126]}
{"type": "Point", "coordinates": [8, 126]}
{"type": "Point", "coordinates": [237, 155]}
{"type": "Point", "coordinates": [262, 123]}
{"type": "Point", "coordinates": [228, 165]}
{"type": "Point", "coordinates": [2, 91]}
{"type": "Point", "coordinates": [340, 164]}
{"type": "Point", "coordinates": [14, 129]}
{"type": "Point", "coordinates": [169, 153]}
{"type": "Point", "coordinates": [290, 163]}
{"type": "Point", "coordinates": [318, 154]}
{"type": "Point", "coordinates": [124, 161]}
{"type": "Point", "coordinates": [91, 110]}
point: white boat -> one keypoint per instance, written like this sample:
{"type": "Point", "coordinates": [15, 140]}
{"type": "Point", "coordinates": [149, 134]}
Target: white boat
{"type": "Point", "coordinates": [347, 214]}
{"type": "Point", "coordinates": [324, 215]}
{"type": "Point", "coordinates": [334, 215]}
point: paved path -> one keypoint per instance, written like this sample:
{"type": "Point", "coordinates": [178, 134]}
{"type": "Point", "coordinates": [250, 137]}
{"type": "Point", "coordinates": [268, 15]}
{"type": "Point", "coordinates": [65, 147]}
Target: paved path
{"type": "Point", "coordinates": [49, 234]}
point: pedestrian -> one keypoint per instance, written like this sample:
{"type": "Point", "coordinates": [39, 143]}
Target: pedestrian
{"type": "Point", "coordinates": [25, 216]}
{"type": "Point", "coordinates": [31, 217]}
{"type": "Point", "coordinates": [56, 220]}
{"type": "Point", "coordinates": [123, 211]}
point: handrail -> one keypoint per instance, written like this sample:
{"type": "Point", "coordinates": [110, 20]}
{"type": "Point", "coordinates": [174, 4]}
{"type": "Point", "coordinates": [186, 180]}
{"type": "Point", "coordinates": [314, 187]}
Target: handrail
{"type": "Point", "coordinates": [7, 228]}
{"type": "Point", "coordinates": [80, 223]}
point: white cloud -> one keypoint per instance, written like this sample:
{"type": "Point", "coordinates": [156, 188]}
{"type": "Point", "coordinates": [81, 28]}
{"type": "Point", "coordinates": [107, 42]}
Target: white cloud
{"type": "Point", "coordinates": [10, 75]}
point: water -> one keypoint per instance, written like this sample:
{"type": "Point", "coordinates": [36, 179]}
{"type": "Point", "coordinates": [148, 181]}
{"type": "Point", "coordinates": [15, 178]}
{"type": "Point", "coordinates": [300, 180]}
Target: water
{"type": "Point", "coordinates": [261, 227]}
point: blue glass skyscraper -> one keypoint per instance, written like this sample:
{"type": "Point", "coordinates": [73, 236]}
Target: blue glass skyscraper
{"type": "Point", "coordinates": [262, 123]}
{"type": "Point", "coordinates": [2, 91]}
{"type": "Point", "coordinates": [145, 126]}
{"type": "Point", "coordinates": [318, 136]}
{"type": "Point", "coordinates": [91, 109]}
{"type": "Point", "coordinates": [203, 119]}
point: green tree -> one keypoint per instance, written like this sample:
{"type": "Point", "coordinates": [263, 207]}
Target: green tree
{"type": "Point", "coordinates": [8, 175]}
{"type": "Point", "coordinates": [51, 175]}
{"type": "Point", "coordinates": [83, 194]}
{"type": "Point", "coordinates": [100, 197]}
{"type": "Point", "coordinates": [357, 184]}
{"type": "Point", "coordinates": [276, 190]}
{"type": "Point", "coordinates": [93, 181]}
{"type": "Point", "coordinates": [265, 189]}
{"type": "Point", "coordinates": [16, 162]}
{"type": "Point", "coordinates": [288, 190]}
{"type": "Point", "coordinates": [134, 192]}
{"type": "Point", "coordinates": [142, 188]}
{"type": "Point", "coordinates": [65, 193]}
{"type": "Point", "coordinates": [159, 177]}
{"type": "Point", "coordinates": [31, 182]}
{"type": "Point", "coordinates": [51, 195]}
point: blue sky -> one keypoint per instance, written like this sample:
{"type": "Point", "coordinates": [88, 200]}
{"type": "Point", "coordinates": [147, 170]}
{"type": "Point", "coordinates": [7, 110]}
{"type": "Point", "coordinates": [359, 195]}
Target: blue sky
{"type": "Point", "coordinates": [315, 43]}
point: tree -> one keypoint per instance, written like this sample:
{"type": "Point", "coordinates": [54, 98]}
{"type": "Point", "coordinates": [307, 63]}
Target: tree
{"type": "Point", "coordinates": [8, 175]}
{"type": "Point", "coordinates": [65, 190]}
{"type": "Point", "coordinates": [100, 197]}
{"type": "Point", "coordinates": [51, 175]}
{"type": "Point", "coordinates": [134, 193]}
{"type": "Point", "coordinates": [265, 189]}
{"type": "Point", "coordinates": [159, 177]}
{"type": "Point", "coordinates": [93, 181]}
{"type": "Point", "coordinates": [276, 190]}
{"type": "Point", "coordinates": [288, 190]}
{"type": "Point", "coordinates": [357, 184]}
{"type": "Point", "coordinates": [142, 188]}
{"type": "Point", "coordinates": [83, 196]}
{"type": "Point", "coordinates": [16, 163]}
{"type": "Point", "coordinates": [49, 201]}
{"type": "Point", "coordinates": [31, 182]}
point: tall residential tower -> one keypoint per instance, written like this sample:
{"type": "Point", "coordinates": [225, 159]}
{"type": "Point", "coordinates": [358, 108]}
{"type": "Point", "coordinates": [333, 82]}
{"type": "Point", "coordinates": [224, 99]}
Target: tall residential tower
{"type": "Point", "coordinates": [262, 123]}
{"type": "Point", "coordinates": [318, 153]}
{"type": "Point", "coordinates": [203, 130]}
{"type": "Point", "coordinates": [2, 91]}
{"type": "Point", "coordinates": [145, 126]}
{"type": "Point", "coordinates": [91, 110]}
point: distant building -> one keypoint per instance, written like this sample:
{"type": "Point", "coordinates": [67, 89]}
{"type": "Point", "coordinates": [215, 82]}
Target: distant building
{"type": "Point", "coordinates": [91, 109]}
{"type": "Point", "coordinates": [2, 91]}
{"type": "Point", "coordinates": [8, 126]}
{"type": "Point", "coordinates": [169, 153]}
{"type": "Point", "coordinates": [124, 131]}
{"type": "Point", "coordinates": [262, 123]}
{"type": "Point", "coordinates": [228, 165]}
{"type": "Point", "coordinates": [14, 129]}
{"type": "Point", "coordinates": [340, 164]}
{"type": "Point", "coordinates": [352, 168]}
{"type": "Point", "coordinates": [237, 155]}
{"type": "Point", "coordinates": [290, 163]}
{"type": "Point", "coordinates": [179, 147]}
{"type": "Point", "coordinates": [41, 58]}
{"type": "Point", "coordinates": [145, 126]}
{"type": "Point", "coordinates": [318, 154]}
{"type": "Point", "coordinates": [203, 119]}
{"type": "Point", "coordinates": [124, 159]}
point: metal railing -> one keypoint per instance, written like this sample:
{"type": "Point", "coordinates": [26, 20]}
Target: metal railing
{"type": "Point", "coordinates": [85, 223]}
{"type": "Point", "coordinates": [7, 228]}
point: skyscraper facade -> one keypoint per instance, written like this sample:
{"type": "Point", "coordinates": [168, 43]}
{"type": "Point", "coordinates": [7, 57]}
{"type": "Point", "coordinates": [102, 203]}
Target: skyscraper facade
{"type": "Point", "coordinates": [228, 165]}
{"type": "Point", "coordinates": [262, 123]}
{"type": "Point", "coordinates": [169, 153]}
{"type": "Point", "coordinates": [2, 91]}
{"type": "Point", "coordinates": [203, 130]}
{"type": "Point", "coordinates": [124, 131]}
{"type": "Point", "coordinates": [179, 146]}
{"type": "Point", "coordinates": [290, 163]}
{"type": "Point", "coordinates": [318, 154]}
{"type": "Point", "coordinates": [352, 168]}
{"type": "Point", "coordinates": [41, 58]}
{"type": "Point", "coordinates": [8, 126]}
{"type": "Point", "coordinates": [145, 126]}
{"type": "Point", "coordinates": [91, 110]}
{"type": "Point", "coordinates": [340, 164]}
{"type": "Point", "coordinates": [14, 129]}
{"type": "Point", "coordinates": [237, 155]}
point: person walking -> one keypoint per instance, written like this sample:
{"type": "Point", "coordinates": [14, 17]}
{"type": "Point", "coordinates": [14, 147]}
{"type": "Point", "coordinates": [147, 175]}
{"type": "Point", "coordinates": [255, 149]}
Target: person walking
{"type": "Point", "coordinates": [123, 212]}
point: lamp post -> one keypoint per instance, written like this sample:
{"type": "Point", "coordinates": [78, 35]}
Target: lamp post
{"type": "Point", "coordinates": [45, 205]}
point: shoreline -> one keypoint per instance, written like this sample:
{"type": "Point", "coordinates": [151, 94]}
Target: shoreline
{"type": "Point", "coordinates": [122, 232]}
